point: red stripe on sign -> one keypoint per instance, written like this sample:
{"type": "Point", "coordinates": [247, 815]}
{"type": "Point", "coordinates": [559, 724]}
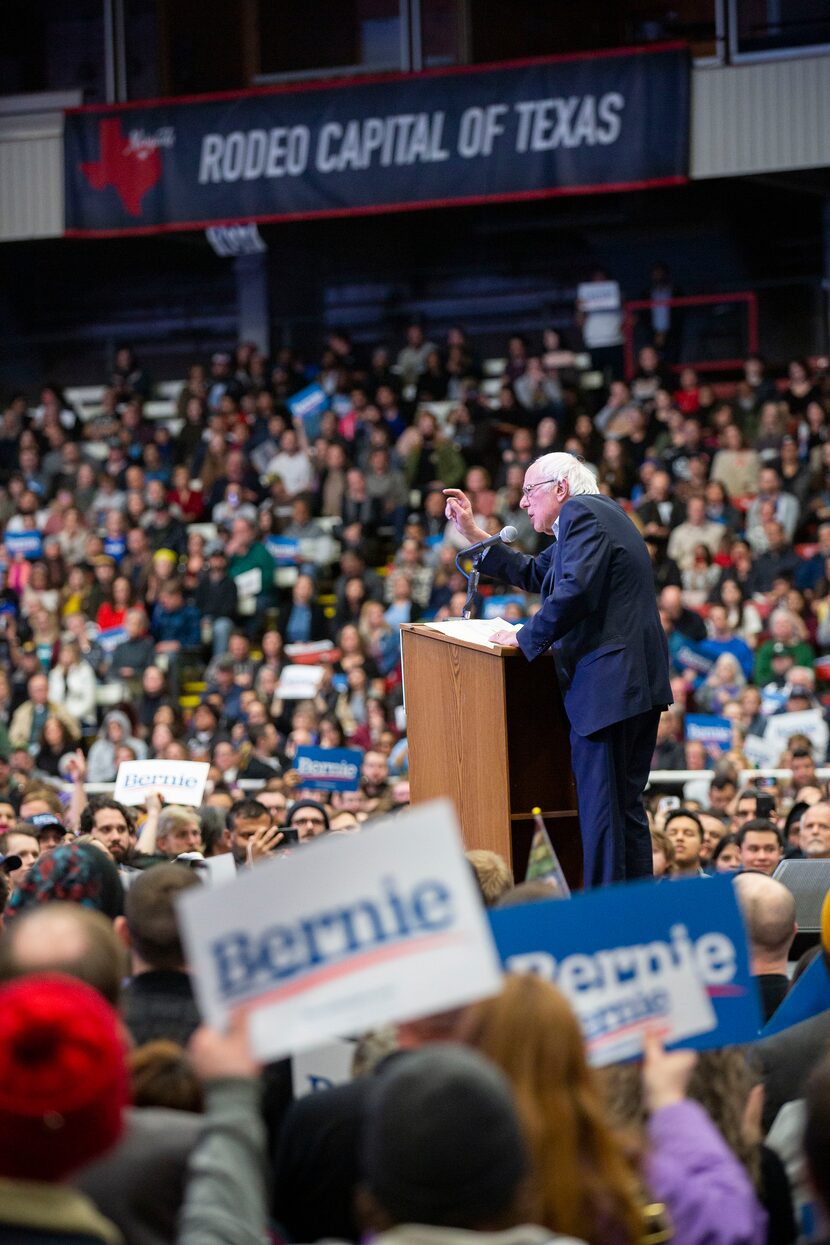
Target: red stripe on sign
{"type": "Point", "coordinates": [375, 209]}
{"type": "Point", "coordinates": [648, 1024]}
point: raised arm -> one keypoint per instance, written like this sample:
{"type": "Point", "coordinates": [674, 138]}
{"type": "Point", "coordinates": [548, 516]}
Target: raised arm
{"type": "Point", "coordinates": [459, 512]}
{"type": "Point", "coordinates": [225, 1199]}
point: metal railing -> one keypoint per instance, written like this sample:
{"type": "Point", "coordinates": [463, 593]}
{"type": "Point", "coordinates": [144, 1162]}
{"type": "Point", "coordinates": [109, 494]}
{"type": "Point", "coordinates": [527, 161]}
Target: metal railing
{"type": "Point", "coordinates": [745, 776]}
{"type": "Point", "coordinates": [746, 297]}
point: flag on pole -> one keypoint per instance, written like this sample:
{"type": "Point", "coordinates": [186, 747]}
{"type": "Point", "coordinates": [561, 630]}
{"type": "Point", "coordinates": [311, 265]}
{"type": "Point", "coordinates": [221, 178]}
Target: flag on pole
{"type": "Point", "coordinates": [543, 863]}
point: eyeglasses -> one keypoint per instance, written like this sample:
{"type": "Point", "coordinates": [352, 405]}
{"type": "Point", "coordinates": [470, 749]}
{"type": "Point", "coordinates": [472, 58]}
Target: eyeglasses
{"type": "Point", "coordinates": [528, 488]}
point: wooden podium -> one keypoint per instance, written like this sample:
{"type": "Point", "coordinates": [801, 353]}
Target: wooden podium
{"type": "Point", "coordinates": [488, 729]}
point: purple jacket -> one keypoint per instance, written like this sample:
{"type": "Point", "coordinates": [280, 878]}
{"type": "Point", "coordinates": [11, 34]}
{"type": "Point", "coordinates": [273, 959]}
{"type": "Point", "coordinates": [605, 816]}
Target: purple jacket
{"type": "Point", "coordinates": [706, 1190]}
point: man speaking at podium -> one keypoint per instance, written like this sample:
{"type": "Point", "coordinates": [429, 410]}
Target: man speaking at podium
{"type": "Point", "coordinates": [599, 614]}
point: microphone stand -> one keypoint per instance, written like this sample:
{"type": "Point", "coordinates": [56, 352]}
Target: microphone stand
{"type": "Point", "coordinates": [472, 582]}
{"type": "Point", "coordinates": [476, 552]}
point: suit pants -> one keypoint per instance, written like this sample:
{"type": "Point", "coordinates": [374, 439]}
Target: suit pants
{"type": "Point", "coordinates": [611, 769]}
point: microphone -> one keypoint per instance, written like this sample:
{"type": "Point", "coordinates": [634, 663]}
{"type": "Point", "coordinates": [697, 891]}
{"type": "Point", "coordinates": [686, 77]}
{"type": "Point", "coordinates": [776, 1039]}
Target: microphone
{"type": "Point", "coordinates": [505, 537]}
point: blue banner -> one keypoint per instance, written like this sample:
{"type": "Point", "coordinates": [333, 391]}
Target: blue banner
{"type": "Point", "coordinates": [701, 655]}
{"type": "Point", "coordinates": [115, 547]}
{"type": "Point", "coordinates": [329, 769]}
{"type": "Point", "coordinates": [27, 545]}
{"type": "Point", "coordinates": [308, 405]}
{"type": "Point", "coordinates": [615, 120]}
{"type": "Point", "coordinates": [807, 998]}
{"type": "Point", "coordinates": [111, 638]}
{"type": "Point", "coordinates": [494, 607]}
{"type": "Point", "coordinates": [634, 934]}
{"type": "Point", "coordinates": [283, 548]}
{"type": "Point", "coordinates": [709, 730]}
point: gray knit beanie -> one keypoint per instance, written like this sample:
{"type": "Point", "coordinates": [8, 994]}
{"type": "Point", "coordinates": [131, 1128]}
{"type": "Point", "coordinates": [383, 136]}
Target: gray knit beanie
{"type": "Point", "coordinates": [442, 1143]}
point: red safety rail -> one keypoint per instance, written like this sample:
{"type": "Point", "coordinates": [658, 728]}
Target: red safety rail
{"type": "Point", "coordinates": [693, 300]}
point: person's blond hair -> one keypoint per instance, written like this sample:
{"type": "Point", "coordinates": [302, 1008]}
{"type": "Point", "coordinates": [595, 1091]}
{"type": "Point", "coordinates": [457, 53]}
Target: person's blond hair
{"type": "Point", "coordinates": [39, 791]}
{"type": "Point", "coordinates": [492, 873]}
{"type": "Point", "coordinates": [174, 816]}
{"type": "Point", "coordinates": [661, 842]}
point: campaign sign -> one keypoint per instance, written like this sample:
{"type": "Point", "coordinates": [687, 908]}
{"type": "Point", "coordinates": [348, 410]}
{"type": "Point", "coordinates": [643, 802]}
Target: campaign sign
{"type": "Point", "coordinates": [300, 682]}
{"type": "Point", "coordinates": [115, 547]}
{"type": "Point", "coordinates": [808, 997]}
{"type": "Point", "coordinates": [322, 1068]}
{"type": "Point", "coordinates": [180, 782]}
{"type": "Point", "coordinates": [686, 655]}
{"type": "Point", "coordinates": [347, 933]}
{"type": "Point", "coordinates": [493, 607]}
{"type": "Point", "coordinates": [328, 769]}
{"type": "Point", "coordinates": [218, 870]}
{"type": "Point", "coordinates": [283, 549]}
{"type": "Point", "coordinates": [311, 651]}
{"type": "Point", "coordinates": [709, 730]}
{"type": "Point", "coordinates": [645, 955]}
{"type": "Point", "coordinates": [782, 726]}
{"type": "Point", "coordinates": [110, 638]}
{"type": "Point", "coordinates": [27, 545]}
{"type": "Point", "coordinates": [598, 296]}
{"type": "Point", "coordinates": [308, 405]}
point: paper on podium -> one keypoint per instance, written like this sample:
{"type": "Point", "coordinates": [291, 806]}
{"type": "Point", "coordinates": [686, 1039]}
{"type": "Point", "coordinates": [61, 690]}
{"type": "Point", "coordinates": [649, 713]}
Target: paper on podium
{"type": "Point", "coordinates": [476, 630]}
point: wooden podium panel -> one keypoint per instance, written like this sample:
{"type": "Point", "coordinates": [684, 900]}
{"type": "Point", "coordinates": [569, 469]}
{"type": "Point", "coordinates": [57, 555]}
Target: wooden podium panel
{"type": "Point", "coordinates": [487, 729]}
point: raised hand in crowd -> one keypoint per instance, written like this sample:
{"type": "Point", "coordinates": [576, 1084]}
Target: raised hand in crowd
{"type": "Point", "coordinates": [666, 1074]}
{"type": "Point", "coordinates": [264, 843]}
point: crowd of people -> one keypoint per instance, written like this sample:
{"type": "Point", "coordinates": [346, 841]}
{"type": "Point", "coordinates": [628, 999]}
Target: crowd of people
{"type": "Point", "coordinates": [148, 554]}
{"type": "Point", "coordinates": [160, 575]}
{"type": "Point", "coordinates": [121, 1113]}
{"type": "Point", "coordinates": [162, 581]}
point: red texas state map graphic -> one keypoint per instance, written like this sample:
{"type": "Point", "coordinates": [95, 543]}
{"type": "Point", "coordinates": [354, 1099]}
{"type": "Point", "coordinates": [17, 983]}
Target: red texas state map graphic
{"type": "Point", "coordinates": [130, 170]}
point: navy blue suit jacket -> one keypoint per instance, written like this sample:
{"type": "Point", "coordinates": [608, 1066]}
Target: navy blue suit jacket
{"type": "Point", "coordinates": [599, 613]}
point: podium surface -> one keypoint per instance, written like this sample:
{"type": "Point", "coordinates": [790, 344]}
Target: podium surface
{"type": "Point", "coordinates": [488, 729]}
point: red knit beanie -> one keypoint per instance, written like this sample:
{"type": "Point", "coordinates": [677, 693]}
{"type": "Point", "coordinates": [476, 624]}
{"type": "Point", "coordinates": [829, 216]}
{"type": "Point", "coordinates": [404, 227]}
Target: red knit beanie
{"type": "Point", "coordinates": [63, 1077]}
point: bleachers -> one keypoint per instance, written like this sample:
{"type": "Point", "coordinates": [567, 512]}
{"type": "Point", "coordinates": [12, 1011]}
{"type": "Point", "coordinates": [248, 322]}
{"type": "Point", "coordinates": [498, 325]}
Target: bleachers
{"type": "Point", "coordinates": [85, 399]}
{"type": "Point", "coordinates": [169, 389]}
{"type": "Point", "coordinates": [161, 408]}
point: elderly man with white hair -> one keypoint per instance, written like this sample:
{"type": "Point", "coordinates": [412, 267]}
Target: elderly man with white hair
{"type": "Point", "coordinates": [599, 615]}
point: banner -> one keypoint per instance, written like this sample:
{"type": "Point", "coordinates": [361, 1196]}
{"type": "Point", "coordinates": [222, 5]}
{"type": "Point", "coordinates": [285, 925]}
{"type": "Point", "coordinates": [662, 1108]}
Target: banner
{"type": "Point", "coordinates": [614, 120]}
{"type": "Point", "coordinates": [809, 997]}
{"type": "Point", "coordinates": [709, 729]}
{"type": "Point", "coordinates": [313, 1071]}
{"type": "Point", "coordinates": [110, 638]}
{"type": "Point", "coordinates": [780, 727]}
{"type": "Point", "coordinates": [27, 545]}
{"type": "Point", "coordinates": [285, 550]}
{"type": "Point", "coordinates": [669, 955]}
{"type": "Point", "coordinates": [311, 652]}
{"type": "Point", "coordinates": [701, 655]}
{"type": "Point", "coordinates": [328, 769]}
{"type": "Point", "coordinates": [180, 782]}
{"type": "Point", "coordinates": [115, 547]}
{"type": "Point", "coordinates": [347, 933]}
{"type": "Point", "coordinates": [308, 405]}
{"type": "Point", "coordinates": [494, 607]}
{"type": "Point", "coordinates": [300, 682]}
